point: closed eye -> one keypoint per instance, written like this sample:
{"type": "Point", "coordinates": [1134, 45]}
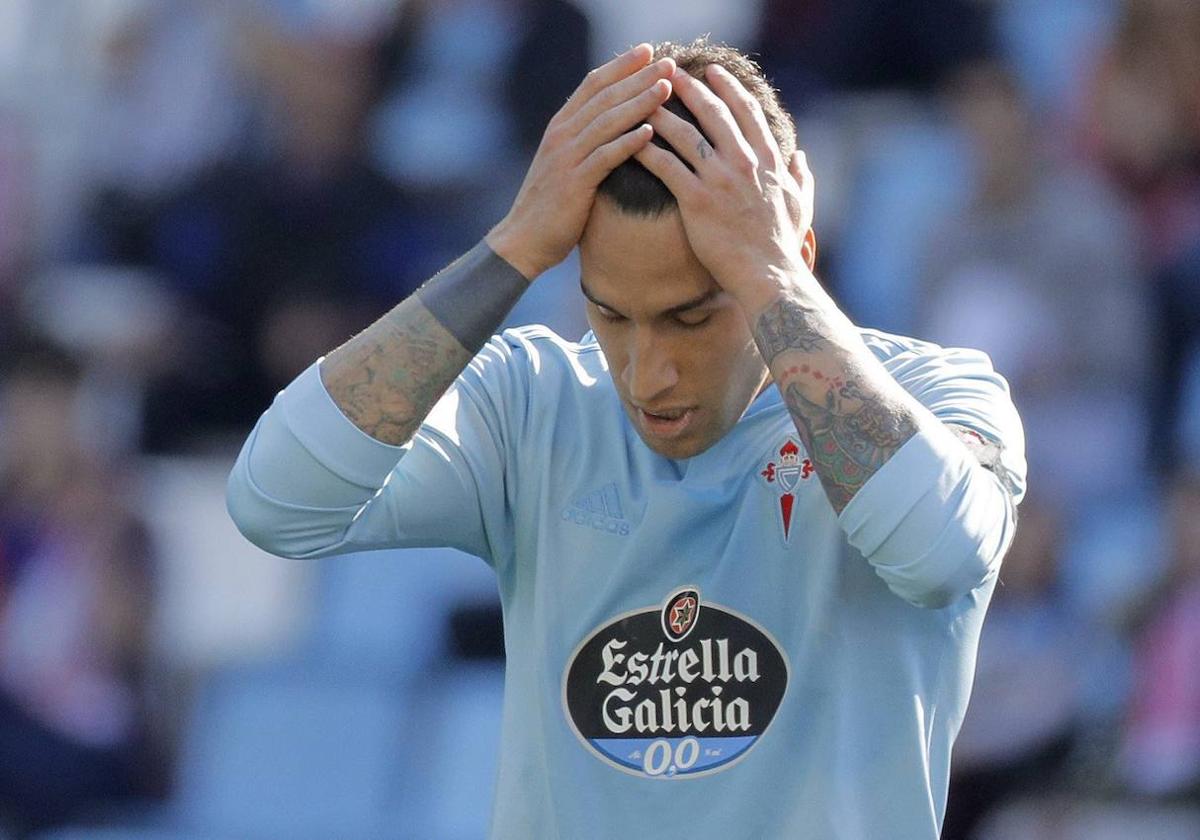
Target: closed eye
{"type": "Point", "coordinates": [607, 314]}
{"type": "Point", "coordinates": [693, 319]}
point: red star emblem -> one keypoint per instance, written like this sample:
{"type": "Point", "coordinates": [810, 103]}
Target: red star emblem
{"type": "Point", "coordinates": [681, 614]}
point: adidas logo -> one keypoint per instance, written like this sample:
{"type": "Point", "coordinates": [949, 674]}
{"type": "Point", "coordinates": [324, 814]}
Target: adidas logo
{"type": "Point", "coordinates": [599, 509]}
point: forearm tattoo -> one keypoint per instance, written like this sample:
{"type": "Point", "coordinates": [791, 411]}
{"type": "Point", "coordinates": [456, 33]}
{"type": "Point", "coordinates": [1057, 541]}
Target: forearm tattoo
{"type": "Point", "coordinates": [388, 377]}
{"type": "Point", "coordinates": [849, 418]}
{"type": "Point", "coordinates": [785, 327]}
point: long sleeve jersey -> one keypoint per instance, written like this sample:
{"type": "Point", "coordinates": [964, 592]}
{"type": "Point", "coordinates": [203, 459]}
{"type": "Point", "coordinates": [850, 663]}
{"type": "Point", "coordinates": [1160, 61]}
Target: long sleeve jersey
{"type": "Point", "coordinates": [700, 646]}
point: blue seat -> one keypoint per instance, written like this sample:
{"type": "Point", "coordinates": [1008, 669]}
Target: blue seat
{"type": "Point", "coordinates": [388, 610]}
{"type": "Point", "coordinates": [294, 752]}
{"type": "Point", "coordinates": [282, 751]}
{"type": "Point", "coordinates": [462, 710]}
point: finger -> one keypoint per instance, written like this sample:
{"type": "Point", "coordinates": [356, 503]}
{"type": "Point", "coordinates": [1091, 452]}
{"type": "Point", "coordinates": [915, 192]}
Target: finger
{"type": "Point", "coordinates": [669, 169]}
{"type": "Point", "coordinates": [619, 92]}
{"type": "Point", "coordinates": [747, 112]}
{"type": "Point", "coordinates": [618, 119]}
{"type": "Point", "coordinates": [804, 179]}
{"type": "Point", "coordinates": [606, 158]}
{"type": "Point", "coordinates": [712, 114]}
{"type": "Point", "coordinates": [685, 138]}
{"type": "Point", "coordinates": [601, 77]}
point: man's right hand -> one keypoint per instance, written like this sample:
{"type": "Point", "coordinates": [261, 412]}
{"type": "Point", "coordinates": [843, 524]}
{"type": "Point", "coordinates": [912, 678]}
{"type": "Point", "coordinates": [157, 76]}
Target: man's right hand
{"type": "Point", "coordinates": [584, 142]}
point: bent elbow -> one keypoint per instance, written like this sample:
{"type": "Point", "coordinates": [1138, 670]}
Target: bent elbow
{"type": "Point", "coordinates": [965, 555]}
{"type": "Point", "coordinates": [252, 518]}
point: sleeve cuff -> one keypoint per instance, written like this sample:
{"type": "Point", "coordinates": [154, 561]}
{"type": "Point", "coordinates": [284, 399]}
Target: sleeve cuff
{"type": "Point", "coordinates": [932, 462]}
{"type": "Point", "coordinates": [330, 437]}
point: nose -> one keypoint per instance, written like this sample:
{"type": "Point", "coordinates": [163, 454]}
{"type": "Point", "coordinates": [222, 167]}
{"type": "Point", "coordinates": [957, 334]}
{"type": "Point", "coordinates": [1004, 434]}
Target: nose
{"type": "Point", "coordinates": [650, 371]}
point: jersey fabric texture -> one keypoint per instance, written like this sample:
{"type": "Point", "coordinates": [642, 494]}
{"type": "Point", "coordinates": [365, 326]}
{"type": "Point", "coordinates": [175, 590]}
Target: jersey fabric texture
{"type": "Point", "coordinates": [700, 646]}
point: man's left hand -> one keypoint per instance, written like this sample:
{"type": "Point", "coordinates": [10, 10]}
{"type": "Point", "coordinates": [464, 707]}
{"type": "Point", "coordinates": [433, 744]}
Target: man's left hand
{"type": "Point", "coordinates": [747, 212]}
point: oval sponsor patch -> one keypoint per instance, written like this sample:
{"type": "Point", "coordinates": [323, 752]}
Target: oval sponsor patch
{"type": "Point", "coordinates": [680, 690]}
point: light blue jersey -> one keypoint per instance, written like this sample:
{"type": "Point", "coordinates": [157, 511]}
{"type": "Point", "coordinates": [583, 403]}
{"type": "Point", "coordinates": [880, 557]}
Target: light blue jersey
{"type": "Point", "coordinates": [697, 647]}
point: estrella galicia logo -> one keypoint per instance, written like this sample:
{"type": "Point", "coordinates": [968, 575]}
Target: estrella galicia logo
{"type": "Point", "coordinates": [674, 691]}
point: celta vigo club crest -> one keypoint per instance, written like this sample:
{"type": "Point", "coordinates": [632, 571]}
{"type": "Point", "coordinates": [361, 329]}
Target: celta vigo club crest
{"type": "Point", "coordinates": [787, 475]}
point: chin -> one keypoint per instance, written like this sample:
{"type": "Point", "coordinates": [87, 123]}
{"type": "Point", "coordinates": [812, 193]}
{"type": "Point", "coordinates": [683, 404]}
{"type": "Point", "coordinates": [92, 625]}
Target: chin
{"type": "Point", "coordinates": [677, 450]}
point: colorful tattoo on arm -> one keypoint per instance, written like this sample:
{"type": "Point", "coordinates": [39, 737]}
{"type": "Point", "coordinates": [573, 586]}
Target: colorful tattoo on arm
{"type": "Point", "coordinates": [850, 419]}
{"type": "Point", "coordinates": [388, 377]}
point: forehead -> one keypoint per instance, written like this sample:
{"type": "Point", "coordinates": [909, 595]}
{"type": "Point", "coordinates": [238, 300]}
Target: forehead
{"type": "Point", "coordinates": [639, 263]}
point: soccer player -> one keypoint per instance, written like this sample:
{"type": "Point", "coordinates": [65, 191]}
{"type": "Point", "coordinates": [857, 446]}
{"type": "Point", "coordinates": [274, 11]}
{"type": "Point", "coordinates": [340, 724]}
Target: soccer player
{"type": "Point", "coordinates": [744, 547]}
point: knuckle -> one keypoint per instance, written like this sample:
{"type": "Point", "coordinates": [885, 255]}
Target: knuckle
{"type": "Point", "coordinates": [609, 98]}
{"type": "Point", "coordinates": [714, 108]}
{"type": "Point", "coordinates": [723, 180]}
{"type": "Point", "coordinates": [606, 153]}
{"type": "Point", "coordinates": [745, 163]}
{"type": "Point", "coordinates": [604, 123]}
{"type": "Point", "coordinates": [556, 134]}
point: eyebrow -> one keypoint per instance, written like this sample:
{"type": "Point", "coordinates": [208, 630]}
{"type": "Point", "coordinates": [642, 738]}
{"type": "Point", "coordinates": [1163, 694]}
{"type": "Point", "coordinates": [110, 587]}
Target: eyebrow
{"type": "Point", "coordinates": [699, 300]}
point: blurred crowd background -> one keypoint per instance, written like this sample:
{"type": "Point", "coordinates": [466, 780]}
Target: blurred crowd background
{"type": "Point", "coordinates": [200, 197]}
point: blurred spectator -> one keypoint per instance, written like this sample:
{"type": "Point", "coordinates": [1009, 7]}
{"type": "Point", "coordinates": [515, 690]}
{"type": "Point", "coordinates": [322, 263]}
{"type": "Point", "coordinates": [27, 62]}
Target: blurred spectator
{"type": "Point", "coordinates": [75, 605]}
{"type": "Point", "coordinates": [859, 76]}
{"type": "Point", "coordinates": [136, 92]}
{"type": "Point", "coordinates": [619, 24]}
{"type": "Point", "coordinates": [1160, 751]}
{"type": "Point", "coordinates": [555, 34]}
{"type": "Point", "coordinates": [282, 254]}
{"type": "Point", "coordinates": [1051, 46]}
{"type": "Point", "coordinates": [1143, 127]}
{"type": "Point", "coordinates": [816, 46]}
{"type": "Point", "coordinates": [469, 96]}
{"type": "Point", "coordinates": [470, 92]}
{"type": "Point", "coordinates": [1144, 121]}
{"type": "Point", "coordinates": [1040, 272]}
{"type": "Point", "coordinates": [169, 97]}
{"type": "Point", "coordinates": [1025, 704]}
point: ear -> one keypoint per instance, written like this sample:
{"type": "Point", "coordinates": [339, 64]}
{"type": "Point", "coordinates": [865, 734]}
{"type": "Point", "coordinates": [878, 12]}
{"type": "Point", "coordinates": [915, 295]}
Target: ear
{"type": "Point", "coordinates": [808, 249]}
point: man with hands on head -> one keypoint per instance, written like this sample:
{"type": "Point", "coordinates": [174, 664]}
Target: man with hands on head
{"type": "Point", "coordinates": [744, 547]}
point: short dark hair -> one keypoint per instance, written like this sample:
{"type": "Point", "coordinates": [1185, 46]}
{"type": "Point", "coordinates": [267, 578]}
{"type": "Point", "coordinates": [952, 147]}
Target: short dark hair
{"type": "Point", "coordinates": [632, 187]}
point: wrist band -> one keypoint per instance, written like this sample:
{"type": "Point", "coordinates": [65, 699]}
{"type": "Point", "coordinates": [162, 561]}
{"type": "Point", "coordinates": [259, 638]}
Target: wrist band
{"type": "Point", "coordinates": [471, 296]}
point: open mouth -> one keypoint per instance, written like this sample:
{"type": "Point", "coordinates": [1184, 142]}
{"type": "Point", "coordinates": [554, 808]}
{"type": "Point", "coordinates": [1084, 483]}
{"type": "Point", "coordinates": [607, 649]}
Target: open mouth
{"type": "Point", "coordinates": [666, 423]}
